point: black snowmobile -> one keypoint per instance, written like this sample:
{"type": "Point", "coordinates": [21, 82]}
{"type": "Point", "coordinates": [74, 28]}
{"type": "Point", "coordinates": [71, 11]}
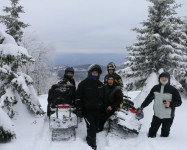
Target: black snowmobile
{"type": "Point", "coordinates": [125, 121]}
{"type": "Point", "coordinates": [62, 120]}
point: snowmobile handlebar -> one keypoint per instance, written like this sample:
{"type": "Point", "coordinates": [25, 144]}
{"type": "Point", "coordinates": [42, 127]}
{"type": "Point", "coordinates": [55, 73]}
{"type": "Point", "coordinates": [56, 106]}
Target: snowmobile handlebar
{"type": "Point", "coordinates": [126, 97]}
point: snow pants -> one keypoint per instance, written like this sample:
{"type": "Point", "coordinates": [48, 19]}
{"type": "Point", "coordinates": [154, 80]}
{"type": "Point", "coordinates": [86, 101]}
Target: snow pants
{"type": "Point", "coordinates": [105, 117]}
{"type": "Point", "coordinates": [156, 123]}
{"type": "Point", "coordinates": [92, 119]}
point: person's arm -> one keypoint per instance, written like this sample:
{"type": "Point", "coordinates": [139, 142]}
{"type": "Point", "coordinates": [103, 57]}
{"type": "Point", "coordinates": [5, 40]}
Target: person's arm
{"type": "Point", "coordinates": [148, 99]}
{"type": "Point", "coordinates": [176, 99]}
{"type": "Point", "coordinates": [118, 99]}
{"type": "Point", "coordinates": [49, 98]}
{"type": "Point", "coordinates": [74, 83]}
{"type": "Point", "coordinates": [73, 94]}
{"type": "Point", "coordinates": [104, 97]}
{"type": "Point", "coordinates": [78, 99]}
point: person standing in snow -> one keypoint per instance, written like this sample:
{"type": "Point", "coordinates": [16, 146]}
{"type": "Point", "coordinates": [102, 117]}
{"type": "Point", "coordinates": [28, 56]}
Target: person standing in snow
{"type": "Point", "coordinates": [166, 98]}
{"type": "Point", "coordinates": [63, 91]}
{"type": "Point", "coordinates": [90, 102]}
{"type": "Point", "coordinates": [111, 67]}
{"type": "Point", "coordinates": [114, 97]}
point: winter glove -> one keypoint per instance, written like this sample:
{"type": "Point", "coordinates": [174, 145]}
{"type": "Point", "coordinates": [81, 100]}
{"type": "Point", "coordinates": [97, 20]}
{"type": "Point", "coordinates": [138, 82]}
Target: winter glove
{"type": "Point", "coordinates": [79, 113]}
{"type": "Point", "coordinates": [139, 113]}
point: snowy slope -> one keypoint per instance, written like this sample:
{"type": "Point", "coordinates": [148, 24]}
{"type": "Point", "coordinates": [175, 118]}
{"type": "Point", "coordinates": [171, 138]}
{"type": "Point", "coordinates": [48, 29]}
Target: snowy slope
{"type": "Point", "coordinates": [33, 134]}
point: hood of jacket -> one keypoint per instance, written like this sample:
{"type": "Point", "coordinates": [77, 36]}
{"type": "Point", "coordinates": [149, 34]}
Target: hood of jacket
{"type": "Point", "coordinates": [164, 74]}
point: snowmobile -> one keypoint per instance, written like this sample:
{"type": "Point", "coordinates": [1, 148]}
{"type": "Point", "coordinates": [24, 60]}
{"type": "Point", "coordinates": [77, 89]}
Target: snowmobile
{"type": "Point", "coordinates": [63, 122]}
{"type": "Point", "coordinates": [125, 121]}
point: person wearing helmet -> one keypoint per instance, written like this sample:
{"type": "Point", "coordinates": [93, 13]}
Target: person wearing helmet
{"type": "Point", "coordinates": [90, 102]}
{"type": "Point", "coordinates": [68, 76]}
{"type": "Point", "coordinates": [69, 81]}
{"type": "Point", "coordinates": [111, 67]}
{"type": "Point", "coordinates": [63, 91]}
{"type": "Point", "coordinates": [166, 98]}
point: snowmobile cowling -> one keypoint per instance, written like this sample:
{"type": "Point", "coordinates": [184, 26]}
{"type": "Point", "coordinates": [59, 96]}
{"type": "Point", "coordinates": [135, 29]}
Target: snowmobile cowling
{"type": "Point", "coordinates": [63, 122]}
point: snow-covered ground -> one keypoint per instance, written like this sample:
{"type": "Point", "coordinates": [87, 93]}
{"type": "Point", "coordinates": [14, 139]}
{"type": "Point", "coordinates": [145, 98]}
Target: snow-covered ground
{"type": "Point", "coordinates": [33, 134]}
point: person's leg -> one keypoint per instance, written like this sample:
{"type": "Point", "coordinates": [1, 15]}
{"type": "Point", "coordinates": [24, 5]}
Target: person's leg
{"type": "Point", "coordinates": [155, 124]}
{"type": "Point", "coordinates": [102, 119]}
{"type": "Point", "coordinates": [48, 110]}
{"type": "Point", "coordinates": [166, 125]}
{"type": "Point", "coordinates": [91, 129]}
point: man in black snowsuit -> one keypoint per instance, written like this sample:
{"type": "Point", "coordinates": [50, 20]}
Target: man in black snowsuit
{"type": "Point", "coordinates": [63, 91]}
{"type": "Point", "coordinates": [166, 98]}
{"type": "Point", "coordinates": [111, 67]}
{"type": "Point", "coordinates": [90, 102]}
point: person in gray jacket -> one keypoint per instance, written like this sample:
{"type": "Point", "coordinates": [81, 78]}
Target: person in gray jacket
{"type": "Point", "coordinates": [166, 98]}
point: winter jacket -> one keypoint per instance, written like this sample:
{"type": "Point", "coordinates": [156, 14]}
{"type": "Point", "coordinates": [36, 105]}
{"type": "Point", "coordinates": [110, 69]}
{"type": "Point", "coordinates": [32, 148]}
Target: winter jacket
{"type": "Point", "coordinates": [118, 80]}
{"type": "Point", "coordinates": [114, 96]}
{"type": "Point", "coordinates": [90, 95]}
{"type": "Point", "coordinates": [163, 92]}
{"type": "Point", "coordinates": [66, 79]}
{"type": "Point", "coordinates": [62, 92]}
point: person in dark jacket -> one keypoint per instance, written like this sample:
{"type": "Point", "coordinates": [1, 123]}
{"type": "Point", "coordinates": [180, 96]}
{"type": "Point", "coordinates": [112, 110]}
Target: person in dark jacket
{"type": "Point", "coordinates": [111, 67]}
{"type": "Point", "coordinates": [114, 97]}
{"type": "Point", "coordinates": [90, 102]}
{"type": "Point", "coordinates": [166, 98]}
{"type": "Point", "coordinates": [63, 91]}
{"type": "Point", "coordinates": [68, 76]}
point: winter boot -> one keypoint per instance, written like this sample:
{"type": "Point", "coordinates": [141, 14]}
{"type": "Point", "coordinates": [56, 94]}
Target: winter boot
{"type": "Point", "coordinates": [91, 143]}
{"type": "Point", "coordinates": [94, 148]}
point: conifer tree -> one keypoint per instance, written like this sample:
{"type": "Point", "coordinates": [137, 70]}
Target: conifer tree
{"type": "Point", "coordinates": [11, 20]}
{"type": "Point", "coordinates": [181, 72]}
{"type": "Point", "coordinates": [158, 44]}
{"type": "Point", "coordinates": [14, 85]}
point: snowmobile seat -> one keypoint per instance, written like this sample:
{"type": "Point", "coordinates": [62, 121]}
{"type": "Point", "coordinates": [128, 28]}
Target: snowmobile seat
{"type": "Point", "coordinates": [61, 94]}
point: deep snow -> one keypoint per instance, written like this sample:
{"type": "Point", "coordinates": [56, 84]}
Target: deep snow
{"type": "Point", "coordinates": [33, 133]}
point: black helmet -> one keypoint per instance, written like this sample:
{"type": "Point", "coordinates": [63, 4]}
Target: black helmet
{"type": "Point", "coordinates": [94, 67]}
{"type": "Point", "coordinates": [111, 66]}
{"type": "Point", "coordinates": [69, 69]}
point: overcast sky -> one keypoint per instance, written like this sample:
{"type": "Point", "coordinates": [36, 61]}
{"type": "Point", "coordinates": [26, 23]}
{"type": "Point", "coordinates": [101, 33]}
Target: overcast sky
{"type": "Point", "coordinates": [86, 25]}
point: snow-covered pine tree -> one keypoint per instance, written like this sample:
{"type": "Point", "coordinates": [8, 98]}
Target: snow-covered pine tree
{"type": "Point", "coordinates": [158, 44]}
{"type": "Point", "coordinates": [11, 21]}
{"type": "Point", "coordinates": [15, 86]}
{"type": "Point", "coordinates": [6, 127]}
{"type": "Point", "coordinates": [181, 72]}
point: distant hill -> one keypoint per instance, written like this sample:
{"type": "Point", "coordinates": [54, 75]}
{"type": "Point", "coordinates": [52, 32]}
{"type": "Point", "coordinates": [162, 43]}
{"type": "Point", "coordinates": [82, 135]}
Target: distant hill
{"type": "Point", "coordinates": [81, 71]}
{"type": "Point", "coordinates": [76, 59]}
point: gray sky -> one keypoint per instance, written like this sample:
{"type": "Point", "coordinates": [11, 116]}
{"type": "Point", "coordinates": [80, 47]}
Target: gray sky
{"type": "Point", "coordinates": [89, 26]}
